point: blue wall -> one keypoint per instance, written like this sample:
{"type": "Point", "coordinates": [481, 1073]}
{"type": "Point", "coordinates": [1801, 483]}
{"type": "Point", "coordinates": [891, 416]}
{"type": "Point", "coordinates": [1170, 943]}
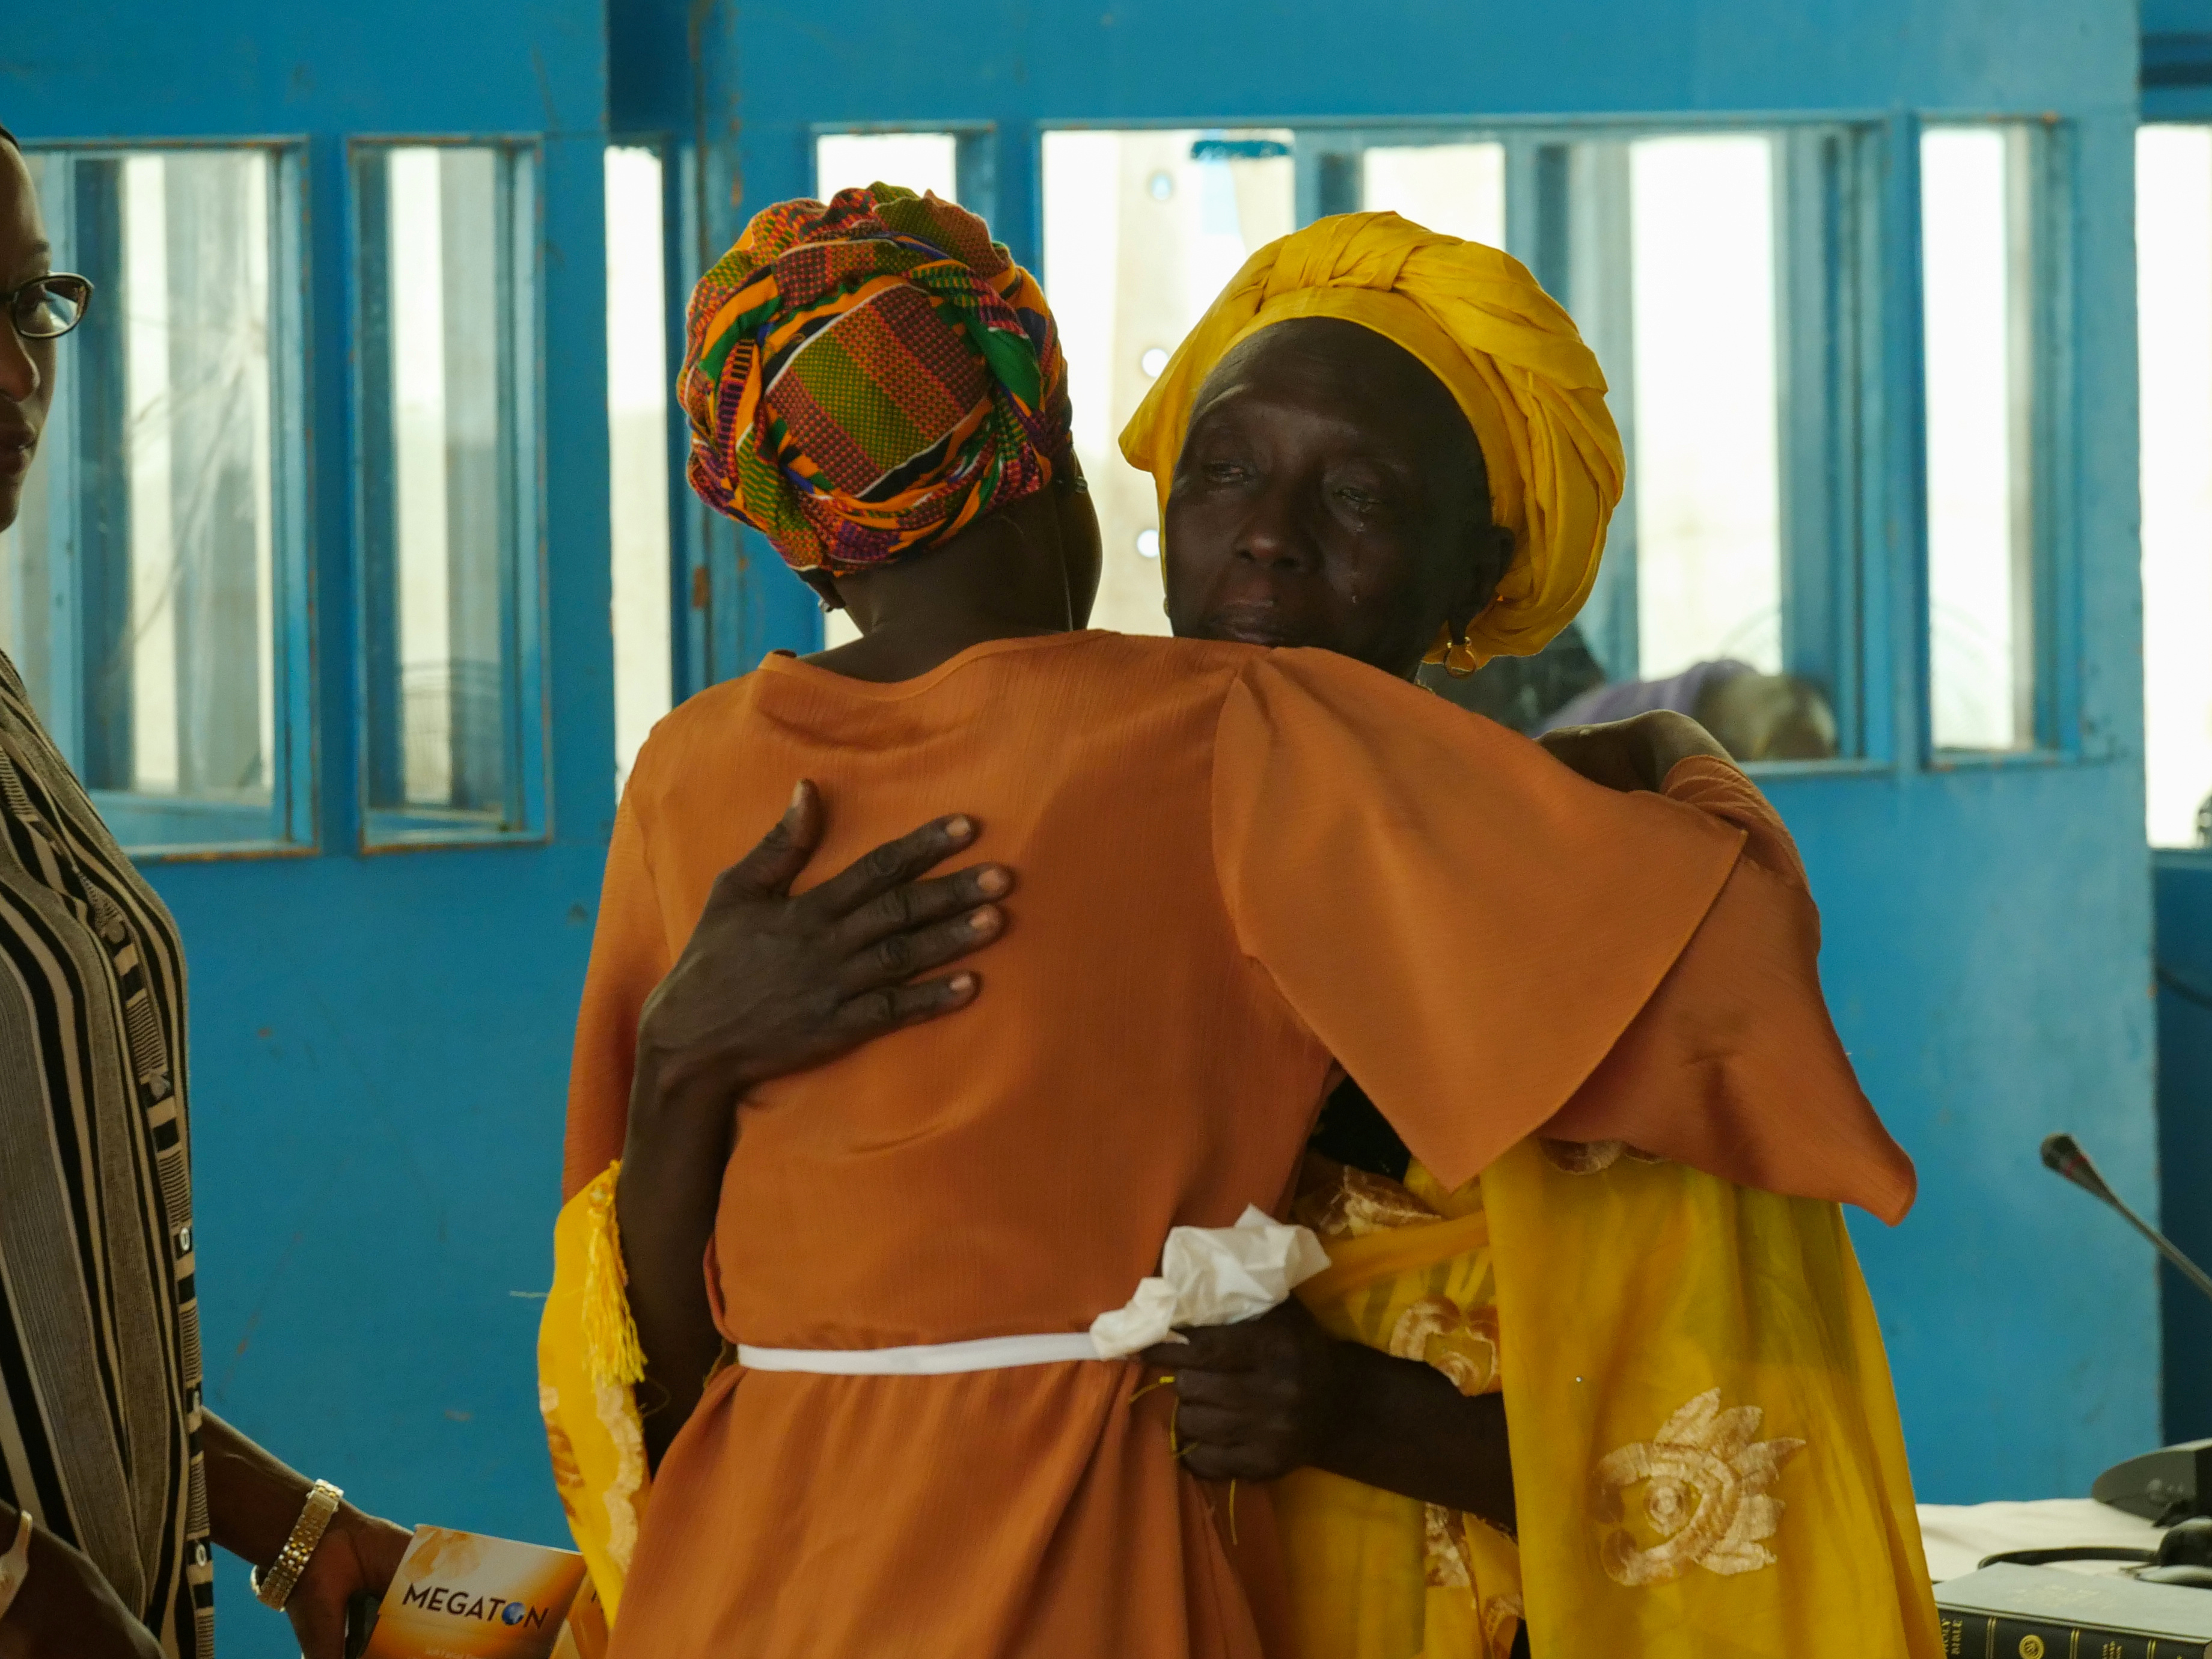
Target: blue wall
{"type": "Point", "coordinates": [379, 1042]}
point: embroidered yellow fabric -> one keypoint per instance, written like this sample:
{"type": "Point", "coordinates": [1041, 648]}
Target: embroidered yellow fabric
{"type": "Point", "coordinates": [1707, 1460]}
{"type": "Point", "coordinates": [588, 1360]}
{"type": "Point", "coordinates": [1374, 1576]}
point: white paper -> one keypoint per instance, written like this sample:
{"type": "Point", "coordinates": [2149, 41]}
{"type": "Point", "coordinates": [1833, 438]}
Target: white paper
{"type": "Point", "coordinates": [1211, 1276]}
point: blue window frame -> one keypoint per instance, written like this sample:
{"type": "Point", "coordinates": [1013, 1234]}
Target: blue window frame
{"type": "Point", "coordinates": [155, 593]}
{"type": "Point", "coordinates": [448, 354]}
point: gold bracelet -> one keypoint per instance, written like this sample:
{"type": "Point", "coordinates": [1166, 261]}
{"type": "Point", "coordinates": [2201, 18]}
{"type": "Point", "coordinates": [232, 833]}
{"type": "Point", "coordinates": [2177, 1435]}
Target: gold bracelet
{"type": "Point", "coordinates": [274, 1588]}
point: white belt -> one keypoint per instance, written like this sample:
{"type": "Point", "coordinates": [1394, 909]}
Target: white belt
{"type": "Point", "coordinates": [1209, 1276]}
{"type": "Point", "coordinates": [988, 1353]}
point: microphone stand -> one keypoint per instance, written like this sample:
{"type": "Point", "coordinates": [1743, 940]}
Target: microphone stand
{"type": "Point", "coordinates": [2064, 1154]}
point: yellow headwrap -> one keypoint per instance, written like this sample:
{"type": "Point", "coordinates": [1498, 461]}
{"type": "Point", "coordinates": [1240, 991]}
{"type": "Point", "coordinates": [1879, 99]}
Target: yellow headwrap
{"type": "Point", "coordinates": [1511, 356]}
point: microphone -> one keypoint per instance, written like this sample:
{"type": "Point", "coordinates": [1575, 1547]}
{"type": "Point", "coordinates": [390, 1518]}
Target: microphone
{"type": "Point", "coordinates": [2064, 1154]}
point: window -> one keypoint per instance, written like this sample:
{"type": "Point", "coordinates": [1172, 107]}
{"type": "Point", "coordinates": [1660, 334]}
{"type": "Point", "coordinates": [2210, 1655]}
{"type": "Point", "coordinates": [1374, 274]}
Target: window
{"type": "Point", "coordinates": [1976, 329]}
{"type": "Point", "coordinates": [1142, 229]}
{"type": "Point", "coordinates": [1715, 273]}
{"type": "Point", "coordinates": [152, 592]}
{"type": "Point", "coordinates": [638, 394]}
{"type": "Point", "coordinates": [922, 161]}
{"type": "Point", "coordinates": [1708, 504]}
{"type": "Point", "coordinates": [1458, 189]}
{"type": "Point", "coordinates": [2173, 271]}
{"type": "Point", "coordinates": [1683, 258]}
{"type": "Point", "coordinates": [448, 355]}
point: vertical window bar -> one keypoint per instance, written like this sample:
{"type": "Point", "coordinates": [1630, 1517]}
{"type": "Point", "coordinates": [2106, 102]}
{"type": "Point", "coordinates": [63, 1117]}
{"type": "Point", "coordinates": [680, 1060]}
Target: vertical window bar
{"type": "Point", "coordinates": [975, 170]}
{"type": "Point", "coordinates": [1814, 283]}
{"type": "Point", "coordinates": [1599, 295]}
{"type": "Point", "coordinates": [1550, 242]}
{"type": "Point", "coordinates": [383, 746]}
{"type": "Point", "coordinates": [2024, 351]}
{"type": "Point", "coordinates": [102, 444]}
{"type": "Point", "coordinates": [515, 386]}
{"type": "Point", "coordinates": [1336, 183]}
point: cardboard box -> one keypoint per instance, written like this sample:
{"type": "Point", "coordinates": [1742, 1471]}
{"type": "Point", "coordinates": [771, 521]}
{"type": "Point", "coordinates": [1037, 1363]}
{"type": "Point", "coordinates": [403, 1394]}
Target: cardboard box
{"type": "Point", "coordinates": [463, 1595]}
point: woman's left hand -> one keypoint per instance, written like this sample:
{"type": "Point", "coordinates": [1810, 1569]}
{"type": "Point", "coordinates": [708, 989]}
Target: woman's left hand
{"type": "Point", "coordinates": [357, 1557]}
{"type": "Point", "coordinates": [1637, 753]}
{"type": "Point", "coordinates": [1259, 1399]}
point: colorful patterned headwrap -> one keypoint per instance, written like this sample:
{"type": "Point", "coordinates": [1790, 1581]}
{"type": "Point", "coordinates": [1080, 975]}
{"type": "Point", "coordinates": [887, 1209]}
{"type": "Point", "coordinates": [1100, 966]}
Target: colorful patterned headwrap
{"type": "Point", "coordinates": [1512, 359]}
{"type": "Point", "coordinates": [869, 378]}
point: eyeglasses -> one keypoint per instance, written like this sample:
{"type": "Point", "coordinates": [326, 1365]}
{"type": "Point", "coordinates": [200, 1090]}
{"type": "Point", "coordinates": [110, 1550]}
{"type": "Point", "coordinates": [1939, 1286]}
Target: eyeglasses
{"type": "Point", "coordinates": [47, 307]}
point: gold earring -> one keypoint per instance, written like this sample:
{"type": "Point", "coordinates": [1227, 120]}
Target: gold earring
{"type": "Point", "coordinates": [1461, 661]}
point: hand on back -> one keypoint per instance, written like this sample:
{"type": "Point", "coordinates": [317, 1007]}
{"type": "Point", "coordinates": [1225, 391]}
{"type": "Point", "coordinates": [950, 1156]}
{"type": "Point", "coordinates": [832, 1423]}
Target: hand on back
{"type": "Point", "coordinates": [1637, 753]}
{"type": "Point", "coordinates": [770, 984]}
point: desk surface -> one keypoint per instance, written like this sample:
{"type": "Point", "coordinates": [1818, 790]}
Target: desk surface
{"type": "Point", "coordinates": [1958, 1536]}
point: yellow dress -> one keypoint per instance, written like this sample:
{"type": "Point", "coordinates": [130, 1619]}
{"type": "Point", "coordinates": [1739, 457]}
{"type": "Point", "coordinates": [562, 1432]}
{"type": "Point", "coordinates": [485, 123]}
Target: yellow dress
{"type": "Point", "coordinates": [1707, 1459]}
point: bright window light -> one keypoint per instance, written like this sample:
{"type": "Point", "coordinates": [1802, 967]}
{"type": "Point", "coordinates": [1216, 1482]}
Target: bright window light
{"type": "Point", "coordinates": [1457, 189]}
{"type": "Point", "coordinates": [2174, 307]}
{"type": "Point", "coordinates": [1708, 504]}
{"type": "Point", "coordinates": [922, 161]}
{"type": "Point", "coordinates": [1142, 229]}
{"type": "Point", "coordinates": [1980, 585]}
{"type": "Point", "coordinates": [637, 445]}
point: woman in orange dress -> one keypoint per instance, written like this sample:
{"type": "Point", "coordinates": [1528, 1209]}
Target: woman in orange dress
{"type": "Point", "coordinates": [1275, 861]}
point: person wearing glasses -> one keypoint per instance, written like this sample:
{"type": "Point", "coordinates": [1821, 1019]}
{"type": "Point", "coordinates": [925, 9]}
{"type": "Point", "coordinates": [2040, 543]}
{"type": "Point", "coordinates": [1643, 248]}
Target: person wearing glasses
{"type": "Point", "coordinates": [114, 1476]}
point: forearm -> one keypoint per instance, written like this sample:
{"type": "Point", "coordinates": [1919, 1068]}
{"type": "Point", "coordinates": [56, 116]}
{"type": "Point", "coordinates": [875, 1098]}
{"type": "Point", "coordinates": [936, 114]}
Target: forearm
{"type": "Point", "coordinates": [673, 1157]}
{"type": "Point", "coordinates": [1403, 1426]}
{"type": "Point", "coordinates": [254, 1498]}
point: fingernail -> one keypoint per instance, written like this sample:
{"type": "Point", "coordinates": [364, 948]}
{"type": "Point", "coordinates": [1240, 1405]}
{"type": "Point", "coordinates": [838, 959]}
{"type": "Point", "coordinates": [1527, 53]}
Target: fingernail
{"type": "Point", "coordinates": [960, 828]}
{"type": "Point", "coordinates": [962, 984]}
{"type": "Point", "coordinates": [985, 921]}
{"type": "Point", "coordinates": [992, 881]}
{"type": "Point", "coordinates": [797, 794]}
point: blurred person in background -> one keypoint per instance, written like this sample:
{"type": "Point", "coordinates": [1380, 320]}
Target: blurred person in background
{"type": "Point", "coordinates": [1754, 716]}
{"type": "Point", "coordinates": [114, 1476]}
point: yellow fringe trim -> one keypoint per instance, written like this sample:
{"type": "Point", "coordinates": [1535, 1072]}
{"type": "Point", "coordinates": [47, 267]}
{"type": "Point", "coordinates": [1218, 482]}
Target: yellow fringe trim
{"type": "Point", "coordinates": [612, 1352]}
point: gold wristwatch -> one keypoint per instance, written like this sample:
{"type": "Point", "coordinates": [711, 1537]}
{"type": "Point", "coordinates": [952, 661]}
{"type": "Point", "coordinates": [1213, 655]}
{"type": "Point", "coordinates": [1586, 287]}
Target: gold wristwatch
{"type": "Point", "coordinates": [273, 1589]}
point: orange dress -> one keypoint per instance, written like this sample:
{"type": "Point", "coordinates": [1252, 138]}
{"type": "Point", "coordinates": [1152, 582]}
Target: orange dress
{"type": "Point", "coordinates": [1238, 868]}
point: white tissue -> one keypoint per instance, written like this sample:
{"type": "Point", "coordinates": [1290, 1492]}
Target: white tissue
{"type": "Point", "coordinates": [1211, 1276]}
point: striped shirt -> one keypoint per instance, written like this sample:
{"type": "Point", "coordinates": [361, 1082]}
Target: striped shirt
{"type": "Point", "coordinates": [100, 1345]}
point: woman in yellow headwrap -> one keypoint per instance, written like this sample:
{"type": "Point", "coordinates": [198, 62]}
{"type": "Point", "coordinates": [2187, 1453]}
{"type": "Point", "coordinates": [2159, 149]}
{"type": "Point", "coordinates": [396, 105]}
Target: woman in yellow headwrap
{"type": "Point", "coordinates": [1705, 1453]}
